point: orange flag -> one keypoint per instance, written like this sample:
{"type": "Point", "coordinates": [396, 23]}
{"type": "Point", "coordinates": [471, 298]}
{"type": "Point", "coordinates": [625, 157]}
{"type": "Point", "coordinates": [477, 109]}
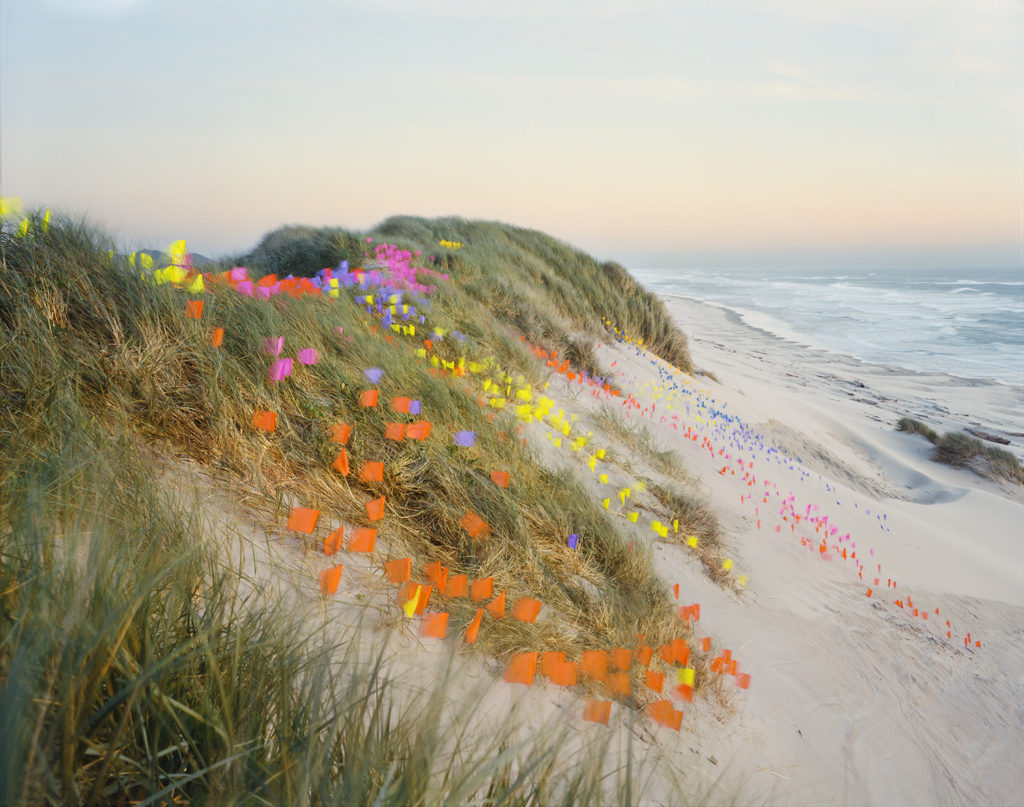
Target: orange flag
{"type": "Point", "coordinates": [194, 309]}
{"type": "Point", "coordinates": [434, 626]}
{"type": "Point", "coordinates": [622, 658]}
{"type": "Point", "coordinates": [457, 586]}
{"type": "Point", "coordinates": [332, 543]}
{"type": "Point", "coordinates": [705, 644]}
{"type": "Point", "coordinates": [375, 509]}
{"type": "Point", "coordinates": [368, 397]}
{"type": "Point", "coordinates": [398, 571]}
{"type": "Point", "coordinates": [644, 654]}
{"type": "Point", "coordinates": [620, 684]}
{"type": "Point", "coordinates": [363, 540]}
{"type": "Point", "coordinates": [329, 579]}
{"type": "Point", "coordinates": [408, 590]}
{"type": "Point", "coordinates": [521, 669]}
{"type": "Point", "coordinates": [400, 404]}
{"type": "Point", "coordinates": [667, 654]}
{"type": "Point", "coordinates": [496, 607]}
{"type": "Point", "coordinates": [474, 626]}
{"type": "Point", "coordinates": [264, 420]}
{"type": "Point", "coordinates": [217, 337]}
{"type": "Point", "coordinates": [394, 431]}
{"type": "Point", "coordinates": [594, 663]}
{"type": "Point", "coordinates": [597, 711]}
{"type": "Point", "coordinates": [371, 471]}
{"type": "Point", "coordinates": [303, 519]}
{"type": "Point", "coordinates": [424, 598]}
{"type": "Point", "coordinates": [526, 609]}
{"type": "Point", "coordinates": [681, 652]}
{"type": "Point", "coordinates": [420, 430]}
{"type": "Point", "coordinates": [500, 478]}
{"type": "Point", "coordinates": [684, 692]}
{"type": "Point", "coordinates": [340, 432]}
{"type": "Point", "coordinates": [663, 713]}
{"type": "Point", "coordinates": [564, 674]}
{"type": "Point", "coordinates": [473, 524]}
{"type": "Point", "coordinates": [482, 589]}
{"type": "Point", "coordinates": [654, 680]}
{"type": "Point", "coordinates": [437, 574]}
{"type": "Point", "coordinates": [341, 463]}
{"type": "Point", "coordinates": [743, 680]}
{"type": "Point", "coordinates": [550, 660]}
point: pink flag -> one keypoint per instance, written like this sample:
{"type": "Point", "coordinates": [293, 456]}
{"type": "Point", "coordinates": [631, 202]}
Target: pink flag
{"type": "Point", "coordinates": [309, 356]}
{"type": "Point", "coordinates": [280, 369]}
{"type": "Point", "coordinates": [273, 345]}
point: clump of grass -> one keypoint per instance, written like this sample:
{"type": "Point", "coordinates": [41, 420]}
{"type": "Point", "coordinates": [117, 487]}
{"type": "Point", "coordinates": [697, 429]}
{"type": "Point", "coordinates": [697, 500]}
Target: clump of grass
{"type": "Point", "coordinates": [914, 426]}
{"type": "Point", "coordinates": [695, 518]}
{"type": "Point", "coordinates": [130, 664]}
{"type": "Point", "coordinates": [134, 671]}
{"type": "Point", "coordinates": [537, 284]}
{"type": "Point", "coordinates": [964, 451]}
{"type": "Point", "coordinates": [641, 442]}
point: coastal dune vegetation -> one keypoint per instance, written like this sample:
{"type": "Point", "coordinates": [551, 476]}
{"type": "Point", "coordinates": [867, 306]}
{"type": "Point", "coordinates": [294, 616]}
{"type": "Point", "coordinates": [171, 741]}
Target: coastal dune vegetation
{"type": "Point", "coordinates": [137, 666]}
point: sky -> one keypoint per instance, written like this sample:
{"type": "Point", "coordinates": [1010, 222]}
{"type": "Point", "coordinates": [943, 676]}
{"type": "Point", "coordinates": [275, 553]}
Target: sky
{"type": "Point", "coordinates": [839, 133]}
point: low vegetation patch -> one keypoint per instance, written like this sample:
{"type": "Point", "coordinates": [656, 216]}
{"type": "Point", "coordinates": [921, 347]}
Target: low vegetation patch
{"type": "Point", "coordinates": [964, 451]}
{"type": "Point", "coordinates": [132, 671]}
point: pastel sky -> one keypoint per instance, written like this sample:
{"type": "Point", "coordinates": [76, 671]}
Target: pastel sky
{"type": "Point", "coordinates": [679, 133]}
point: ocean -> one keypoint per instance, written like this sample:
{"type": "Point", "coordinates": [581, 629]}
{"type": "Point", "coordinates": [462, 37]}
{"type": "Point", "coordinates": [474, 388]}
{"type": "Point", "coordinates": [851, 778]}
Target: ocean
{"type": "Point", "coordinates": [965, 323]}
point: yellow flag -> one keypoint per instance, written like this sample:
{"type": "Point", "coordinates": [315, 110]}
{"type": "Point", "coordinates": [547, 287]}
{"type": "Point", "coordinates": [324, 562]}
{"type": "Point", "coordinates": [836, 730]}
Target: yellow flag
{"type": "Point", "coordinates": [685, 676]}
{"type": "Point", "coordinates": [410, 606]}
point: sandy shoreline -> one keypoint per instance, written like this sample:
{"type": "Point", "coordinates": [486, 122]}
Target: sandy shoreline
{"type": "Point", "coordinates": [947, 402]}
{"type": "Point", "coordinates": [855, 699]}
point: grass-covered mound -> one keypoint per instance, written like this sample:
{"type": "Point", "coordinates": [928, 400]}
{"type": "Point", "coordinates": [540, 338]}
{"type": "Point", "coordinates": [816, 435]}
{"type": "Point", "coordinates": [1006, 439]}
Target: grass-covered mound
{"type": "Point", "coordinates": [130, 669]}
{"type": "Point", "coordinates": [964, 451]}
{"type": "Point", "coordinates": [542, 287]}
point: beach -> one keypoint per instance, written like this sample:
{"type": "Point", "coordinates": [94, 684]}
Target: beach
{"type": "Point", "coordinates": [854, 699]}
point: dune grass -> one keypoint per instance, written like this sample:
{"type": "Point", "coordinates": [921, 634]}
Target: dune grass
{"type": "Point", "coordinates": [914, 426]}
{"type": "Point", "coordinates": [964, 451]}
{"type": "Point", "coordinates": [131, 670]}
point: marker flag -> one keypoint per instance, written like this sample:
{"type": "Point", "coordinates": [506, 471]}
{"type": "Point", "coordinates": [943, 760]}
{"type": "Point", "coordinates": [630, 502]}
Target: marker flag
{"type": "Point", "coordinates": [371, 471]}
{"type": "Point", "coordinates": [340, 432]}
{"type": "Point", "coordinates": [499, 478]}
{"type": "Point", "coordinates": [363, 540]}
{"type": "Point", "coordinates": [375, 509]}
{"type": "Point", "coordinates": [264, 420]}
{"type": "Point", "coordinates": [341, 463]}
{"type": "Point", "coordinates": [398, 571]}
{"type": "Point", "coordinates": [436, 574]}
{"type": "Point", "coordinates": [309, 356]}
{"type": "Point", "coordinates": [474, 626]}
{"type": "Point", "coordinates": [496, 607]}
{"type": "Point", "coordinates": [280, 370]}
{"type": "Point", "coordinates": [457, 586]}
{"type": "Point", "coordinates": [522, 668]}
{"type": "Point", "coordinates": [368, 398]}
{"type": "Point", "coordinates": [661, 712]}
{"type": "Point", "coordinates": [217, 337]}
{"type": "Point", "coordinates": [194, 309]}
{"type": "Point", "coordinates": [303, 519]}
{"type": "Point", "coordinates": [482, 589]}
{"type": "Point", "coordinates": [329, 579]}
{"type": "Point", "coordinates": [595, 711]}
{"type": "Point", "coordinates": [526, 609]}
{"type": "Point", "coordinates": [332, 543]}
{"type": "Point", "coordinates": [473, 524]}
{"type": "Point", "coordinates": [434, 626]}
